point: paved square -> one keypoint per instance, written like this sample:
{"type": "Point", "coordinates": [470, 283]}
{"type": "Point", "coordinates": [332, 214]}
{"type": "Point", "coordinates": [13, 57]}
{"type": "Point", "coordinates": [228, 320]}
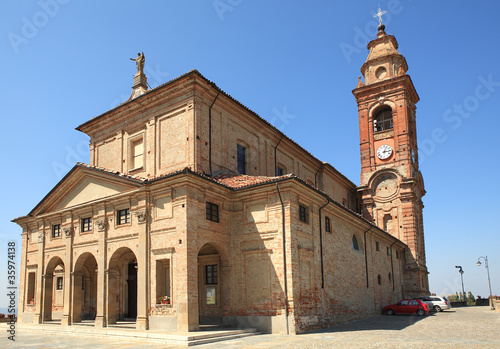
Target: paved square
{"type": "Point", "coordinates": [473, 327]}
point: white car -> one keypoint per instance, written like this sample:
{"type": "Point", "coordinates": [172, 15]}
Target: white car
{"type": "Point", "coordinates": [436, 303]}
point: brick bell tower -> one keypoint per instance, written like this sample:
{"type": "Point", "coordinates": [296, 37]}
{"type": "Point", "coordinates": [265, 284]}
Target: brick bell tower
{"type": "Point", "coordinates": [392, 186]}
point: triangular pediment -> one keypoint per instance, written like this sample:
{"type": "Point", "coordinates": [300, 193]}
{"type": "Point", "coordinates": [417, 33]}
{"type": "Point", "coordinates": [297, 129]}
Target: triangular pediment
{"type": "Point", "coordinates": [84, 185]}
{"type": "Point", "coordinates": [90, 189]}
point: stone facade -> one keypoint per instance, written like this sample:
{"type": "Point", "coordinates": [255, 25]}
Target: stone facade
{"type": "Point", "coordinates": [192, 197]}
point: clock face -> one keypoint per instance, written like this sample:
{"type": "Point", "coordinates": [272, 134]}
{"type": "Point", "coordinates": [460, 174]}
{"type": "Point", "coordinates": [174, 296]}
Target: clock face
{"type": "Point", "coordinates": [384, 151]}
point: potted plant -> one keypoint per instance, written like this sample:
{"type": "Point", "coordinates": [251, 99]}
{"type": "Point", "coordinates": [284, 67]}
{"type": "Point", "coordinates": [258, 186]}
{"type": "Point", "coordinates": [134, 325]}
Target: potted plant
{"type": "Point", "coordinates": [31, 301]}
{"type": "Point", "coordinates": [164, 300]}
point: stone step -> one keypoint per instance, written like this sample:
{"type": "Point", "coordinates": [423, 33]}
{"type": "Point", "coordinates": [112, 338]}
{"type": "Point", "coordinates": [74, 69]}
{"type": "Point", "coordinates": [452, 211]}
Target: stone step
{"type": "Point", "coordinates": [115, 333]}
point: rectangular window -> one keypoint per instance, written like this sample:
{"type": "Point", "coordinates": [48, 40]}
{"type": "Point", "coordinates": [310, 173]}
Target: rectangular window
{"type": "Point", "coordinates": [83, 282]}
{"type": "Point", "coordinates": [137, 153]}
{"type": "Point", "coordinates": [242, 159]}
{"type": "Point", "coordinates": [388, 251]}
{"type": "Point", "coordinates": [211, 274]}
{"type": "Point", "coordinates": [280, 171]}
{"type": "Point", "coordinates": [86, 224]}
{"type": "Point", "coordinates": [397, 255]}
{"type": "Point", "coordinates": [59, 284]}
{"type": "Point", "coordinates": [123, 216]}
{"type": "Point", "coordinates": [212, 211]}
{"type": "Point", "coordinates": [31, 288]}
{"type": "Point", "coordinates": [162, 280]}
{"type": "Point", "coordinates": [303, 214]}
{"type": "Point", "coordinates": [377, 247]}
{"type": "Point", "coordinates": [328, 228]}
{"type": "Point", "coordinates": [56, 230]}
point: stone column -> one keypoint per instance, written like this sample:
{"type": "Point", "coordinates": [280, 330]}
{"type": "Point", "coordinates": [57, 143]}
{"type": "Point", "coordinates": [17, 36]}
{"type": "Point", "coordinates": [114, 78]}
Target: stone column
{"type": "Point", "coordinates": [47, 297]}
{"type": "Point", "coordinates": [68, 268]}
{"type": "Point", "coordinates": [102, 299]}
{"type": "Point", "coordinates": [187, 295]}
{"type": "Point", "coordinates": [142, 322]}
{"type": "Point", "coordinates": [37, 319]}
{"type": "Point", "coordinates": [76, 288]}
{"type": "Point", "coordinates": [112, 276]}
{"type": "Point", "coordinates": [186, 262]}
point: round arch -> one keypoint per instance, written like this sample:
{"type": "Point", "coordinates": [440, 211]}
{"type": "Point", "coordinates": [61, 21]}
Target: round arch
{"type": "Point", "coordinates": [85, 287]}
{"type": "Point", "coordinates": [211, 256]}
{"type": "Point", "coordinates": [54, 284]}
{"type": "Point", "coordinates": [122, 285]}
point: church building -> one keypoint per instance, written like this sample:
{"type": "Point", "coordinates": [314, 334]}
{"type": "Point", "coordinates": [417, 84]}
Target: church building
{"type": "Point", "coordinates": [195, 210]}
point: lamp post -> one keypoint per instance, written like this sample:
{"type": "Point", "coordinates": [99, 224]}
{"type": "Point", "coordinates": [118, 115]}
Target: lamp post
{"type": "Point", "coordinates": [488, 271]}
{"type": "Point", "coordinates": [461, 271]}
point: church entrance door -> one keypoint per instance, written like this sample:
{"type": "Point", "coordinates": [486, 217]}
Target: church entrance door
{"type": "Point", "coordinates": [209, 286]}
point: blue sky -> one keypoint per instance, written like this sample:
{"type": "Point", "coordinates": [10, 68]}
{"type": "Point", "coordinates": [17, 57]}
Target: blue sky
{"type": "Point", "coordinates": [295, 64]}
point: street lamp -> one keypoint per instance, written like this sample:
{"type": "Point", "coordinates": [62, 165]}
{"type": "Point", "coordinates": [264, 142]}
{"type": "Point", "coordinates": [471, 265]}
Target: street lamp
{"type": "Point", "coordinates": [488, 271]}
{"type": "Point", "coordinates": [461, 271]}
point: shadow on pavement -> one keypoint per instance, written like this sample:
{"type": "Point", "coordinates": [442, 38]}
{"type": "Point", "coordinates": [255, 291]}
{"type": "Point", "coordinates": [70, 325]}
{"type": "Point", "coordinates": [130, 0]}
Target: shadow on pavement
{"type": "Point", "coordinates": [380, 322]}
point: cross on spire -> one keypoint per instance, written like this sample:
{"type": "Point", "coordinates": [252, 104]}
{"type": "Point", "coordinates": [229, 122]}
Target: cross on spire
{"type": "Point", "coordinates": [379, 14]}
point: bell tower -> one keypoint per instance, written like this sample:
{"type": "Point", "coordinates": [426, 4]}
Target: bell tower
{"type": "Point", "coordinates": [391, 186]}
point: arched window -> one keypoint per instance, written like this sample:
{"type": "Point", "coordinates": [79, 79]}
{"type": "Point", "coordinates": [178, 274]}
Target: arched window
{"type": "Point", "coordinates": [355, 243]}
{"type": "Point", "coordinates": [382, 120]}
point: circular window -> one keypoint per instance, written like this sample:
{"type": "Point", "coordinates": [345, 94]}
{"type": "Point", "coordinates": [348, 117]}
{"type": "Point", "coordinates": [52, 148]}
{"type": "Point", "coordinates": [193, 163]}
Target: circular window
{"type": "Point", "coordinates": [381, 73]}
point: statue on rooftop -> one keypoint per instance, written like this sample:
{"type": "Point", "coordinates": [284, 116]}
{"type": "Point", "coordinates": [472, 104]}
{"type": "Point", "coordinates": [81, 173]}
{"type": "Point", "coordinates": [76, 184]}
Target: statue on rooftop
{"type": "Point", "coordinates": [139, 61]}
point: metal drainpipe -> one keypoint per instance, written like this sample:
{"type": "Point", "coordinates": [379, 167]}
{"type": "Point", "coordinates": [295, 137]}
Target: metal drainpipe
{"type": "Point", "coordinates": [366, 257]}
{"type": "Point", "coordinates": [392, 267]}
{"type": "Point", "coordinates": [276, 160]}
{"type": "Point", "coordinates": [284, 257]}
{"type": "Point", "coordinates": [316, 175]}
{"type": "Point", "coordinates": [321, 245]}
{"type": "Point", "coordinates": [210, 133]}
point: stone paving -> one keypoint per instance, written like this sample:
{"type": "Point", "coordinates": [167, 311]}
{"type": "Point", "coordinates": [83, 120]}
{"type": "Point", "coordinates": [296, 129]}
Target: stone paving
{"type": "Point", "coordinates": [472, 327]}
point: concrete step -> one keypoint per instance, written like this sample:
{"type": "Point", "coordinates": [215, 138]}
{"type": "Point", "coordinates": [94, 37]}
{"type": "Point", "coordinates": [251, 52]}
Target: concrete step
{"type": "Point", "coordinates": [117, 333]}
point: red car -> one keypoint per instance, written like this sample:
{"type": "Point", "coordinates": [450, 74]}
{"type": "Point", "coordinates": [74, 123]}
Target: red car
{"type": "Point", "coordinates": [407, 306]}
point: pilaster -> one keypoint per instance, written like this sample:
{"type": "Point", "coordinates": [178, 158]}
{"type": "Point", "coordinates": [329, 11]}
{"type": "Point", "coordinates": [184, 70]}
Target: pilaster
{"type": "Point", "coordinates": [68, 268]}
{"type": "Point", "coordinates": [102, 226]}
{"type": "Point", "coordinates": [37, 319]}
{"type": "Point", "coordinates": [142, 322]}
{"type": "Point", "coordinates": [22, 277]}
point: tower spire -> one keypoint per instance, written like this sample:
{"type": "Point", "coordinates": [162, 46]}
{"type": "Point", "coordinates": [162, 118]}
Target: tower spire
{"type": "Point", "coordinates": [381, 27]}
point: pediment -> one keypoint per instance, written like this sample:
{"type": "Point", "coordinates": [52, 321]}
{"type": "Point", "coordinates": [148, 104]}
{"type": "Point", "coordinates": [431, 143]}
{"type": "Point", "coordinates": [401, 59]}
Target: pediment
{"type": "Point", "coordinates": [90, 189]}
{"type": "Point", "coordinates": [83, 186]}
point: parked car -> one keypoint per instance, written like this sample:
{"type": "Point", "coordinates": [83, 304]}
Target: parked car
{"type": "Point", "coordinates": [436, 303]}
{"type": "Point", "coordinates": [407, 306]}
